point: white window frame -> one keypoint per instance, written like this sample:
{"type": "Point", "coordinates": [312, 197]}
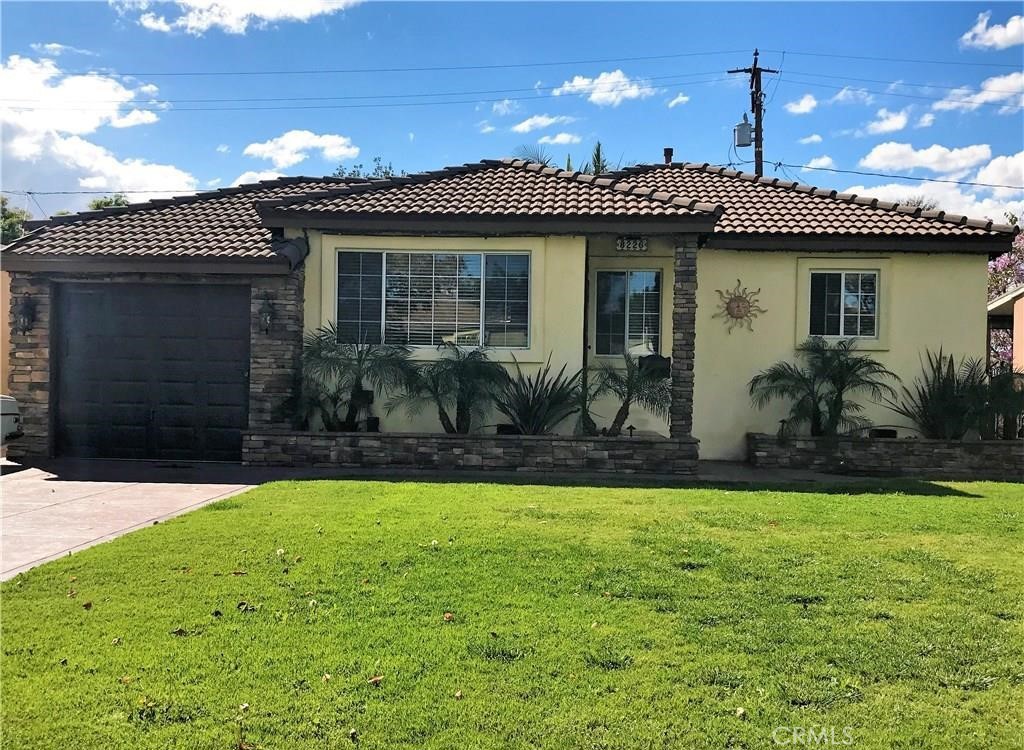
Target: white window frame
{"type": "Point", "coordinates": [842, 315]}
{"type": "Point", "coordinates": [661, 299]}
{"type": "Point", "coordinates": [482, 254]}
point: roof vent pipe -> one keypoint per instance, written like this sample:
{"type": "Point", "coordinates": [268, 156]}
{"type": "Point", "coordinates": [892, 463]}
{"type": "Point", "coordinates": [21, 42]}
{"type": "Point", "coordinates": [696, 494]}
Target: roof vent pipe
{"type": "Point", "coordinates": [668, 154]}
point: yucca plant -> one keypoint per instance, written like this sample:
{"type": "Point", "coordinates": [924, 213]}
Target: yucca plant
{"type": "Point", "coordinates": [822, 388]}
{"type": "Point", "coordinates": [947, 400]}
{"type": "Point", "coordinates": [346, 368]}
{"type": "Point", "coordinates": [462, 381]}
{"type": "Point", "coordinates": [536, 404]}
{"type": "Point", "coordinates": [632, 384]}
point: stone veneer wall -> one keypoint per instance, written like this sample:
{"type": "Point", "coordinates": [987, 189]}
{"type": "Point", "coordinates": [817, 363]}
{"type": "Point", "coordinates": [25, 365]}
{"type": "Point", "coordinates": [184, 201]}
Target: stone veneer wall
{"type": "Point", "coordinates": [621, 455]}
{"type": "Point", "coordinates": [684, 327]}
{"type": "Point", "coordinates": [1001, 460]}
{"type": "Point", "coordinates": [274, 357]}
{"type": "Point", "coordinates": [29, 371]}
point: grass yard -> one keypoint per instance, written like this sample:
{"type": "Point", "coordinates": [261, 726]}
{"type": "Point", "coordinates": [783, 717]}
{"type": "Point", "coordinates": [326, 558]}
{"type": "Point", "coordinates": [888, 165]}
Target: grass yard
{"type": "Point", "coordinates": [579, 618]}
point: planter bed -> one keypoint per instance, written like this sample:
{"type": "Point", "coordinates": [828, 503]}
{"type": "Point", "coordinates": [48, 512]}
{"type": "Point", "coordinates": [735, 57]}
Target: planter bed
{"type": "Point", "coordinates": [1001, 460]}
{"type": "Point", "coordinates": [621, 455]}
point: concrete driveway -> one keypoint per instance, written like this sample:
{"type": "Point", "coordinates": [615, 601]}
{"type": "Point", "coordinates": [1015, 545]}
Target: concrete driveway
{"type": "Point", "coordinates": [60, 508]}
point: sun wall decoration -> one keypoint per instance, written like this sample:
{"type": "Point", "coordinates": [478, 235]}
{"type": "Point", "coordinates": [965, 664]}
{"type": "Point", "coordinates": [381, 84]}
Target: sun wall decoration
{"type": "Point", "coordinates": [738, 306]}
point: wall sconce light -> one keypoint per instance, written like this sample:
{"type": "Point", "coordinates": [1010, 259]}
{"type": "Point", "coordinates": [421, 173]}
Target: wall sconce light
{"type": "Point", "coordinates": [267, 314]}
{"type": "Point", "coordinates": [25, 314]}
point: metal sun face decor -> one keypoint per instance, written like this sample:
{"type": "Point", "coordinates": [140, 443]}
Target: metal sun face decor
{"type": "Point", "coordinates": [738, 306]}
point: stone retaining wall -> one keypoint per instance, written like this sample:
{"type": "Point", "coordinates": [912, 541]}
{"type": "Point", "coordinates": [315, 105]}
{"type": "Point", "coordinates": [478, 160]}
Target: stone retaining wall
{"type": "Point", "coordinates": [928, 459]}
{"type": "Point", "coordinates": [621, 455]}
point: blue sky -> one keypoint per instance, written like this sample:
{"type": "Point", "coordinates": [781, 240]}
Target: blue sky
{"type": "Point", "coordinates": [128, 126]}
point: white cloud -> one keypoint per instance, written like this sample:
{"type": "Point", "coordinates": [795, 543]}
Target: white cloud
{"type": "Point", "coordinates": [607, 89]}
{"type": "Point", "coordinates": [55, 49]}
{"type": "Point", "coordinates": [802, 106]}
{"type": "Point", "coordinates": [485, 127]}
{"type": "Point", "coordinates": [680, 98]}
{"type": "Point", "coordinates": [808, 139]}
{"type": "Point", "coordinates": [851, 95]}
{"type": "Point", "coordinates": [925, 121]}
{"type": "Point", "coordinates": [539, 122]}
{"type": "Point", "coordinates": [223, 148]}
{"type": "Point", "coordinates": [294, 146]}
{"type": "Point", "coordinates": [818, 162]}
{"type": "Point", "coordinates": [983, 36]}
{"type": "Point", "coordinates": [135, 117]}
{"type": "Point", "coordinates": [505, 107]}
{"type": "Point", "coordinates": [562, 139]}
{"type": "Point", "coordinates": [412, 136]}
{"type": "Point", "coordinates": [196, 17]}
{"type": "Point", "coordinates": [1004, 170]}
{"type": "Point", "coordinates": [953, 199]}
{"type": "Point", "coordinates": [214, 182]}
{"type": "Point", "coordinates": [888, 122]}
{"type": "Point", "coordinates": [936, 158]}
{"type": "Point", "coordinates": [43, 147]}
{"type": "Point", "coordinates": [255, 176]}
{"type": "Point", "coordinates": [1006, 89]}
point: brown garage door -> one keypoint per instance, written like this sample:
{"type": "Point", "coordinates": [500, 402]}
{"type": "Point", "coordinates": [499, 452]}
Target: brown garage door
{"type": "Point", "coordinates": [155, 371]}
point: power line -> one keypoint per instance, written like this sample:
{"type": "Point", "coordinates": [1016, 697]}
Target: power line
{"type": "Point", "coordinates": [620, 87]}
{"type": "Point", "coordinates": [896, 176]}
{"type": "Point", "coordinates": [902, 83]}
{"type": "Point", "coordinates": [425, 69]}
{"type": "Point", "coordinates": [965, 100]}
{"type": "Point", "coordinates": [875, 58]}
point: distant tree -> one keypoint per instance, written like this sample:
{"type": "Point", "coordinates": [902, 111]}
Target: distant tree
{"type": "Point", "coordinates": [920, 201]}
{"type": "Point", "coordinates": [379, 171]}
{"type": "Point", "coordinates": [13, 222]}
{"type": "Point", "coordinates": [534, 153]}
{"type": "Point", "coordinates": [598, 164]}
{"type": "Point", "coordinates": [62, 212]}
{"type": "Point", "coordinates": [117, 199]}
{"type": "Point", "coordinates": [1005, 273]}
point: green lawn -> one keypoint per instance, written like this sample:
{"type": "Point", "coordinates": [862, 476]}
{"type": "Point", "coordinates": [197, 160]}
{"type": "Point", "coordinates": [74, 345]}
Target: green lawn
{"type": "Point", "coordinates": [580, 618]}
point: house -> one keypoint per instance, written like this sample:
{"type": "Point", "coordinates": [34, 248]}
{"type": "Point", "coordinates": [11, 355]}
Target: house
{"type": "Point", "coordinates": [1006, 313]}
{"type": "Point", "coordinates": [172, 328]}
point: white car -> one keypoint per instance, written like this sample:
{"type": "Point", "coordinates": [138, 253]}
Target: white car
{"type": "Point", "coordinates": [11, 418]}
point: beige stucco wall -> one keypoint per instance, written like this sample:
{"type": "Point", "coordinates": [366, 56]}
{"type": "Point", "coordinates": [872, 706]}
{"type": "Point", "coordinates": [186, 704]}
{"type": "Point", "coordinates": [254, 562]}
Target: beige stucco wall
{"type": "Point", "coordinates": [556, 301]}
{"type": "Point", "coordinates": [926, 301]}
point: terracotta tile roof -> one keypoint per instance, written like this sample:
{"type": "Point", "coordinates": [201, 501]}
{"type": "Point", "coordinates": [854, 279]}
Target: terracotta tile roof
{"type": "Point", "coordinates": [506, 187]}
{"type": "Point", "coordinates": [766, 205]}
{"type": "Point", "coordinates": [218, 224]}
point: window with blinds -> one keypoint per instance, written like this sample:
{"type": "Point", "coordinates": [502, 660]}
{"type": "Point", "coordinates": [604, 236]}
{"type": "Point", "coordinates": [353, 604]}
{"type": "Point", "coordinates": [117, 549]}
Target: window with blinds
{"type": "Point", "coordinates": [628, 312]}
{"type": "Point", "coordinates": [359, 297]}
{"type": "Point", "coordinates": [844, 303]}
{"type": "Point", "coordinates": [429, 299]}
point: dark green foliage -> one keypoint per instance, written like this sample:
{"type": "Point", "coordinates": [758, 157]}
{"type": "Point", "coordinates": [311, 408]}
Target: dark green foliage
{"type": "Point", "coordinates": [822, 388]}
{"type": "Point", "coordinates": [336, 374]}
{"type": "Point", "coordinates": [12, 221]}
{"type": "Point", "coordinates": [463, 381]}
{"type": "Point", "coordinates": [950, 398]}
{"type": "Point", "coordinates": [536, 404]}
{"type": "Point", "coordinates": [633, 385]}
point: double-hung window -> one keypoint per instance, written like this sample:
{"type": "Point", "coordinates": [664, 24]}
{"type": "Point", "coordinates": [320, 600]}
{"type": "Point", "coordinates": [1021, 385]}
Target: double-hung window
{"type": "Point", "coordinates": [429, 299]}
{"type": "Point", "coordinates": [844, 303]}
{"type": "Point", "coordinates": [628, 312]}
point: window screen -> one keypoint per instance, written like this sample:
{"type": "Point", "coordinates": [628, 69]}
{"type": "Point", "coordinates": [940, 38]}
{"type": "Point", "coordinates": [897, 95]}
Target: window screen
{"type": "Point", "coordinates": [359, 297]}
{"type": "Point", "coordinates": [628, 312]}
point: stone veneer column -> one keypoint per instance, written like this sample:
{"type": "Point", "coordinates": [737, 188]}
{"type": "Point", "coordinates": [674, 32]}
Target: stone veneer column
{"type": "Point", "coordinates": [684, 326]}
{"type": "Point", "coordinates": [274, 358]}
{"type": "Point", "coordinates": [29, 358]}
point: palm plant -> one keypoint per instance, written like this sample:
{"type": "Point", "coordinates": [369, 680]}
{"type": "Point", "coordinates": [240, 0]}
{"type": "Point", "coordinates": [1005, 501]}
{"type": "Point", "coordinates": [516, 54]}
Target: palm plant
{"type": "Point", "coordinates": [947, 400]}
{"type": "Point", "coordinates": [633, 384]}
{"type": "Point", "coordinates": [335, 366]}
{"type": "Point", "coordinates": [1005, 404]}
{"type": "Point", "coordinates": [536, 404]}
{"type": "Point", "coordinates": [590, 389]}
{"type": "Point", "coordinates": [463, 380]}
{"type": "Point", "coordinates": [821, 389]}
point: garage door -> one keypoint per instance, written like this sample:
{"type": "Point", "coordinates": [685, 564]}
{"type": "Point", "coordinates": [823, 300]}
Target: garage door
{"type": "Point", "coordinates": [156, 371]}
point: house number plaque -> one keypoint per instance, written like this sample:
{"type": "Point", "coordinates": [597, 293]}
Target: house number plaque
{"type": "Point", "coordinates": [631, 244]}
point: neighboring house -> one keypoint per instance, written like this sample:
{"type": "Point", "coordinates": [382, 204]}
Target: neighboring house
{"type": "Point", "coordinates": [1006, 313]}
{"type": "Point", "coordinates": [149, 339]}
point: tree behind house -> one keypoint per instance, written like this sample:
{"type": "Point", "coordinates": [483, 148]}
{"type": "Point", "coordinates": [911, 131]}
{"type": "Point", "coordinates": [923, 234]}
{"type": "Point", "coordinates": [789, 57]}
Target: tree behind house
{"type": "Point", "coordinates": [13, 221]}
{"type": "Point", "coordinates": [108, 201]}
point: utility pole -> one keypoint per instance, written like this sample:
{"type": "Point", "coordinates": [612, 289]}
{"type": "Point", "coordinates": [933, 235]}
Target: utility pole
{"type": "Point", "coordinates": [757, 109]}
